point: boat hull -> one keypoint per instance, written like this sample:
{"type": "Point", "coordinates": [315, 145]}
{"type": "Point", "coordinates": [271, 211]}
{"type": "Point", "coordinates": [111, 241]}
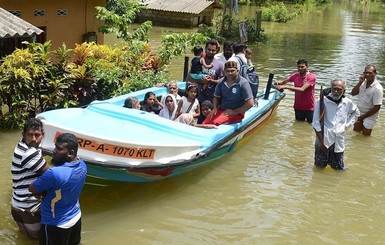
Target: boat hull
{"type": "Point", "coordinates": [141, 147]}
{"type": "Point", "coordinates": [99, 174]}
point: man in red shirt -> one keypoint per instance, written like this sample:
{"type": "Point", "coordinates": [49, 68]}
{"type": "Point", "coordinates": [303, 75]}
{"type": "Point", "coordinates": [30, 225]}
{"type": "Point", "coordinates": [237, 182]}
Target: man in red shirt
{"type": "Point", "coordinates": [304, 86]}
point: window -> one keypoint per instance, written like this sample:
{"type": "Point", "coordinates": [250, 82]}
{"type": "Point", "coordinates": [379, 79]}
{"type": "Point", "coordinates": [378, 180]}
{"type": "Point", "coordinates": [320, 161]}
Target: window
{"type": "Point", "coordinates": [62, 12]}
{"type": "Point", "coordinates": [39, 12]}
{"type": "Point", "coordinates": [15, 12]}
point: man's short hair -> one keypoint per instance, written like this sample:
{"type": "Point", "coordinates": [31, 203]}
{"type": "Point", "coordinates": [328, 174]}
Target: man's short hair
{"type": "Point", "coordinates": [33, 123]}
{"type": "Point", "coordinates": [338, 80]}
{"type": "Point", "coordinates": [302, 61]}
{"type": "Point", "coordinates": [228, 44]}
{"type": "Point", "coordinates": [373, 67]}
{"type": "Point", "coordinates": [231, 64]}
{"type": "Point", "coordinates": [212, 42]}
{"type": "Point", "coordinates": [70, 140]}
{"type": "Point", "coordinates": [239, 47]}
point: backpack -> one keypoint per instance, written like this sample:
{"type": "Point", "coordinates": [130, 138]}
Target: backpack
{"type": "Point", "coordinates": [250, 75]}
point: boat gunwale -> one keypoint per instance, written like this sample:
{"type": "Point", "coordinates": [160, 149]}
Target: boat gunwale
{"type": "Point", "coordinates": [203, 154]}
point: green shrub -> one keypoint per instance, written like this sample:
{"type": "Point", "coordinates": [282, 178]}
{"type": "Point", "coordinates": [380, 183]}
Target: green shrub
{"type": "Point", "coordinates": [276, 13]}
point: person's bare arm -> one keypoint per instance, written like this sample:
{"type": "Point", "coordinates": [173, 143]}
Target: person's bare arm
{"type": "Point", "coordinates": [197, 111]}
{"type": "Point", "coordinates": [216, 102]}
{"type": "Point", "coordinates": [32, 189]}
{"type": "Point", "coordinates": [292, 88]}
{"type": "Point", "coordinates": [247, 105]}
{"type": "Point", "coordinates": [205, 65]}
{"type": "Point", "coordinates": [281, 82]}
{"type": "Point", "coordinates": [208, 126]}
{"type": "Point", "coordinates": [43, 169]}
{"type": "Point", "coordinates": [177, 113]}
{"type": "Point", "coordinates": [356, 88]}
{"type": "Point", "coordinates": [369, 113]}
{"type": "Point", "coordinates": [208, 79]}
{"type": "Point", "coordinates": [320, 137]}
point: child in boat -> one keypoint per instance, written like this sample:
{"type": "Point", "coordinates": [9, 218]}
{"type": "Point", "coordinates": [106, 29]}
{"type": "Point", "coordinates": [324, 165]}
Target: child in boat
{"type": "Point", "coordinates": [189, 104]}
{"type": "Point", "coordinates": [206, 107]}
{"type": "Point", "coordinates": [132, 102]}
{"type": "Point", "coordinates": [151, 103]}
{"type": "Point", "coordinates": [197, 63]}
{"type": "Point", "coordinates": [169, 106]}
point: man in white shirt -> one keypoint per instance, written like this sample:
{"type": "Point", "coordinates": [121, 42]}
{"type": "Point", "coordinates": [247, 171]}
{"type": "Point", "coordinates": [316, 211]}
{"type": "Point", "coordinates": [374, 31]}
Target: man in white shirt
{"type": "Point", "coordinates": [370, 95]}
{"type": "Point", "coordinates": [228, 52]}
{"type": "Point", "coordinates": [239, 55]}
{"type": "Point", "coordinates": [333, 114]}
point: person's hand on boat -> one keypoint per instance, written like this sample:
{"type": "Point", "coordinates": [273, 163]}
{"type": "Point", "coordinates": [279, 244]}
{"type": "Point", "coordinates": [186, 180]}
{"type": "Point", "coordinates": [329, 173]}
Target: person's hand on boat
{"type": "Point", "coordinates": [279, 86]}
{"type": "Point", "coordinates": [230, 112]}
{"type": "Point", "coordinates": [208, 126]}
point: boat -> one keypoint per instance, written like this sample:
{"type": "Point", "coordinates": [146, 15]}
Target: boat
{"type": "Point", "coordinates": [127, 145]}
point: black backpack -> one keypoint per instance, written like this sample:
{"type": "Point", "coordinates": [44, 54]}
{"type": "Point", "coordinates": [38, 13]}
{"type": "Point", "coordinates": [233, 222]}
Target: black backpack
{"type": "Point", "coordinates": [250, 75]}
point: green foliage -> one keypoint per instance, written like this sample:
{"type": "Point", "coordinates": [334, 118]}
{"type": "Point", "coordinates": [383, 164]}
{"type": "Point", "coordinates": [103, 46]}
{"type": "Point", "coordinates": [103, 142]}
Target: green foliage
{"type": "Point", "coordinates": [118, 15]}
{"type": "Point", "coordinates": [231, 29]}
{"type": "Point", "coordinates": [210, 32]}
{"type": "Point", "coordinates": [24, 76]}
{"type": "Point", "coordinates": [277, 13]}
{"type": "Point", "coordinates": [141, 81]}
{"type": "Point", "coordinates": [30, 83]}
{"type": "Point", "coordinates": [14, 119]}
{"type": "Point", "coordinates": [174, 45]}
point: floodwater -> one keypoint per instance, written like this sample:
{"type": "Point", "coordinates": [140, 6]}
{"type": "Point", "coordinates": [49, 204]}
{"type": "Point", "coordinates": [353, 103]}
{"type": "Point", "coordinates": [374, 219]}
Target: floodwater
{"type": "Point", "coordinates": [266, 192]}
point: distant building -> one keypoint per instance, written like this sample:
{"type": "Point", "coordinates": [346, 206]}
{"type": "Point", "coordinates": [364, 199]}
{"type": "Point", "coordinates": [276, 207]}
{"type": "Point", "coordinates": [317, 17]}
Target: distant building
{"type": "Point", "coordinates": [69, 22]}
{"type": "Point", "coordinates": [13, 31]}
{"type": "Point", "coordinates": [179, 13]}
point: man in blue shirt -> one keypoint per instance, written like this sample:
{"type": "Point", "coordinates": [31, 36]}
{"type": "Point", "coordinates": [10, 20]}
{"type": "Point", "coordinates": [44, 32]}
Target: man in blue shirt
{"type": "Point", "coordinates": [232, 97]}
{"type": "Point", "coordinates": [60, 187]}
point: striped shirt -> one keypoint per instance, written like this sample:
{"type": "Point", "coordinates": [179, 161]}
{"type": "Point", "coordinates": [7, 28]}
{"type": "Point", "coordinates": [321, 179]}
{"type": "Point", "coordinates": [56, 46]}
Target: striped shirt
{"type": "Point", "coordinates": [27, 161]}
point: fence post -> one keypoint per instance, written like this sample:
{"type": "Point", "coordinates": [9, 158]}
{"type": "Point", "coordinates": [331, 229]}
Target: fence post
{"type": "Point", "coordinates": [258, 21]}
{"type": "Point", "coordinates": [185, 68]}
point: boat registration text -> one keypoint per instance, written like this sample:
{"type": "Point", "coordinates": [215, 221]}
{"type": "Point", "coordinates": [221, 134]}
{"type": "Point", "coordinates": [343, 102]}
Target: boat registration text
{"type": "Point", "coordinates": [114, 150]}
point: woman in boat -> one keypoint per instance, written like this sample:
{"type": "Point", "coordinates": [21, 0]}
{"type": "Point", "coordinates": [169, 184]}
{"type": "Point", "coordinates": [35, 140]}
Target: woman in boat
{"type": "Point", "coordinates": [172, 88]}
{"type": "Point", "coordinates": [169, 106]}
{"type": "Point", "coordinates": [189, 104]}
{"type": "Point", "coordinates": [151, 103]}
{"type": "Point", "coordinates": [132, 102]}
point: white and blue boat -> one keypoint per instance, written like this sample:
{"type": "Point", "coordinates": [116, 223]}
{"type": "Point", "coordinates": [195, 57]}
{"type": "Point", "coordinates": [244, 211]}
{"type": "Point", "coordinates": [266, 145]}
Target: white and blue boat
{"type": "Point", "coordinates": [128, 145]}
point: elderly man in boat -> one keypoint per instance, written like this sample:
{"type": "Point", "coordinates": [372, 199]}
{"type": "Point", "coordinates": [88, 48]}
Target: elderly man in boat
{"type": "Point", "coordinates": [232, 97]}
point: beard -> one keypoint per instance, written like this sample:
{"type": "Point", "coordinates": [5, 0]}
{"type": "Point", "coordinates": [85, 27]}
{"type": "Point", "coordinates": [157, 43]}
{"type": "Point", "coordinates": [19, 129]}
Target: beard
{"type": "Point", "coordinates": [34, 144]}
{"type": "Point", "coordinates": [336, 97]}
